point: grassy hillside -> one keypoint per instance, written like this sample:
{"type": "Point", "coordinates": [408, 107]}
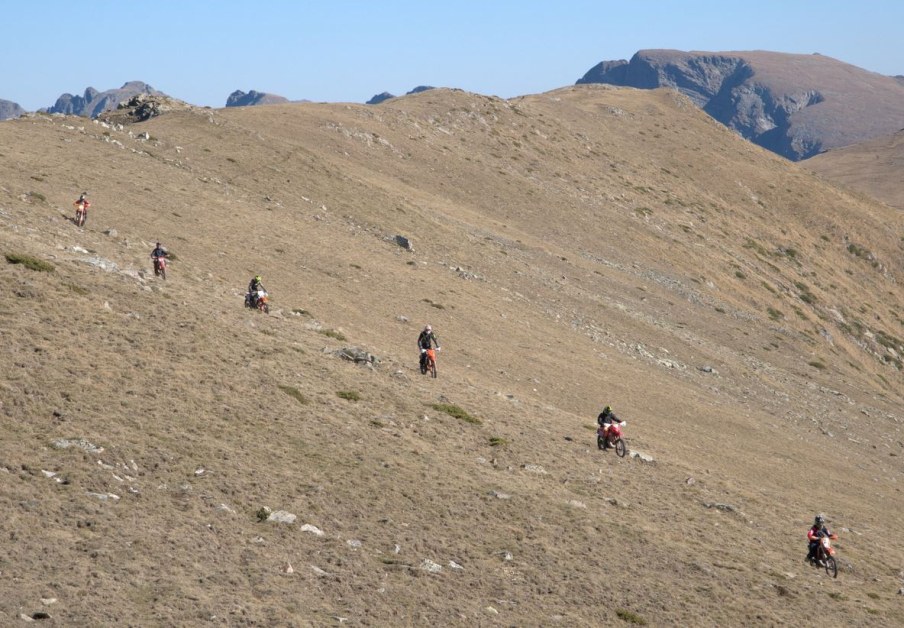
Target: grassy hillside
{"type": "Point", "coordinates": [581, 247]}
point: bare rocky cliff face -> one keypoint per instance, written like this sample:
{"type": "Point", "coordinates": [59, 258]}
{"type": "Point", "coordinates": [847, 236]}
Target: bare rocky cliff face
{"type": "Point", "coordinates": [793, 105]}
{"type": "Point", "coordinates": [93, 103]}
{"type": "Point", "coordinates": [9, 109]}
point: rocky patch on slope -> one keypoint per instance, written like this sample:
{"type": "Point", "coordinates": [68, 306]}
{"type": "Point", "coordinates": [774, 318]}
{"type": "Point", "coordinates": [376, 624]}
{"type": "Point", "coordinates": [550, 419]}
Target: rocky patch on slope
{"type": "Point", "coordinates": [93, 103]}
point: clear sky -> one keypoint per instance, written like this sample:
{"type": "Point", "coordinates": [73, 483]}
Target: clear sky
{"type": "Point", "coordinates": [348, 50]}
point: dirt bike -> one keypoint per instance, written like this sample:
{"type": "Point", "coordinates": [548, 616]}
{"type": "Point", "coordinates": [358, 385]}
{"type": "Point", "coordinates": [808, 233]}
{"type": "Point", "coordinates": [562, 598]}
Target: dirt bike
{"type": "Point", "coordinates": [612, 437]}
{"type": "Point", "coordinates": [262, 302]}
{"type": "Point", "coordinates": [160, 267]}
{"type": "Point", "coordinates": [81, 213]}
{"type": "Point", "coordinates": [825, 555]}
{"type": "Point", "coordinates": [429, 363]}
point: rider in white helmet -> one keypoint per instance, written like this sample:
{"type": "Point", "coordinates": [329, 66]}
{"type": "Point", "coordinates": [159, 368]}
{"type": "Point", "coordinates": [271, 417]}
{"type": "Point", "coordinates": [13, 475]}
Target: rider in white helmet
{"type": "Point", "coordinates": [424, 341]}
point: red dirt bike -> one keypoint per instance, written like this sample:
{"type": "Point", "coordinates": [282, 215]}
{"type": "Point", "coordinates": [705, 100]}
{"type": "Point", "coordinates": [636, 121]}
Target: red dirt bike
{"type": "Point", "coordinates": [160, 267]}
{"type": "Point", "coordinates": [429, 363]}
{"type": "Point", "coordinates": [262, 302]}
{"type": "Point", "coordinates": [612, 437]}
{"type": "Point", "coordinates": [81, 212]}
{"type": "Point", "coordinates": [825, 555]}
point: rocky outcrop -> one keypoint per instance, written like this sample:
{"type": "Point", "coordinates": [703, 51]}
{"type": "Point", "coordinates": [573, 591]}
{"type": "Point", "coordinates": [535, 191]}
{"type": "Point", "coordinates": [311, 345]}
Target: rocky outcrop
{"type": "Point", "coordinates": [384, 96]}
{"type": "Point", "coordinates": [141, 107]}
{"type": "Point", "coordinates": [9, 109]}
{"type": "Point", "coordinates": [238, 98]}
{"type": "Point", "coordinates": [793, 105]}
{"type": "Point", "coordinates": [93, 103]}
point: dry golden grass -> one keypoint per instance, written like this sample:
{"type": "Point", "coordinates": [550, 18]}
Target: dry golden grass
{"type": "Point", "coordinates": [587, 246]}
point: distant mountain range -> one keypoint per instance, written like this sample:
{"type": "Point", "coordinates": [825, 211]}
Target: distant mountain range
{"type": "Point", "coordinates": [794, 105]}
{"type": "Point", "coordinates": [93, 103]}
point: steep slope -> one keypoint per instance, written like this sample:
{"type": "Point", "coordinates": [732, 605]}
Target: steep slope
{"type": "Point", "coordinates": [793, 105]}
{"type": "Point", "coordinates": [872, 167]}
{"type": "Point", "coordinates": [590, 245]}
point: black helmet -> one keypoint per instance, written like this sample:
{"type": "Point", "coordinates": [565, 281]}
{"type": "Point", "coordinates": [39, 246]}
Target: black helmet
{"type": "Point", "coordinates": [819, 520]}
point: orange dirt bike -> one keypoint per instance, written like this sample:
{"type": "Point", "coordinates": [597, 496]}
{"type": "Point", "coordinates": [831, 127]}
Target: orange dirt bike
{"type": "Point", "coordinates": [825, 555]}
{"type": "Point", "coordinates": [612, 437]}
{"type": "Point", "coordinates": [261, 303]}
{"type": "Point", "coordinates": [429, 363]}
{"type": "Point", "coordinates": [160, 267]}
{"type": "Point", "coordinates": [81, 212]}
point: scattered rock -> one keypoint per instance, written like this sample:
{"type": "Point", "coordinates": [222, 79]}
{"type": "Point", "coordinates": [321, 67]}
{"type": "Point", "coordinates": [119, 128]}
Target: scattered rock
{"type": "Point", "coordinates": [641, 456]}
{"type": "Point", "coordinates": [402, 319]}
{"type": "Point", "coordinates": [281, 516]}
{"type": "Point", "coordinates": [312, 529]}
{"type": "Point", "coordinates": [722, 507]}
{"type": "Point", "coordinates": [404, 242]}
{"type": "Point", "coordinates": [48, 601]}
{"type": "Point", "coordinates": [577, 504]}
{"type": "Point", "coordinates": [430, 566]}
{"type": "Point", "coordinates": [690, 481]}
{"type": "Point", "coordinates": [111, 232]}
{"type": "Point", "coordinates": [353, 543]}
{"type": "Point", "coordinates": [491, 610]}
{"type": "Point", "coordinates": [500, 494]}
{"type": "Point", "coordinates": [288, 568]}
{"type": "Point", "coordinates": [454, 565]}
{"type": "Point", "coordinates": [534, 468]}
{"type": "Point", "coordinates": [707, 369]}
{"type": "Point", "coordinates": [81, 443]}
{"type": "Point", "coordinates": [318, 571]}
{"type": "Point", "coordinates": [357, 355]}
{"type": "Point", "coordinates": [507, 556]}
{"type": "Point", "coordinates": [103, 496]}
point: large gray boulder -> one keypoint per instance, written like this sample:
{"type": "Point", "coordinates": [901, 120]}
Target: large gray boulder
{"type": "Point", "coordinates": [794, 105]}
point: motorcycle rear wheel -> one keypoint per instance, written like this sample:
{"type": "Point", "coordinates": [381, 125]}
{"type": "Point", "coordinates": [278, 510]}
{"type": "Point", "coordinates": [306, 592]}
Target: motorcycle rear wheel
{"type": "Point", "coordinates": [600, 442]}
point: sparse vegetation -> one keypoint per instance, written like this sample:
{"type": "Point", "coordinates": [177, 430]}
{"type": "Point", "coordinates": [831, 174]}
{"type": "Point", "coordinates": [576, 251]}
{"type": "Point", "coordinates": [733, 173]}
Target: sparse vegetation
{"type": "Point", "coordinates": [332, 333]}
{"type": "Point", "coordinates": [817, 364]}
{"type": "Point", "coordinates": [37, 196]}
{"type": "Point", "coordinates": [454, 411]}
{"type": "Point", "coordinates": [349, 395]}
{"type": "Point", "coordinates": [630, 617]}
{"type": "Point", "coordinates": [774, 314]}
{"type": "Point", "coordinates": [496, 441]}
{"type": "Point", "coordinates": [32, 263]}
{"type": "Point", "coordinates": [294, 393]}
{"type": "Point", "coordinates": [438, 306]}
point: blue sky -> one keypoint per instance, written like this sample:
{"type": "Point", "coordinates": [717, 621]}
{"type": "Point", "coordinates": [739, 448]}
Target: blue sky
{"type": "Point", "coordinates": [349, 50]}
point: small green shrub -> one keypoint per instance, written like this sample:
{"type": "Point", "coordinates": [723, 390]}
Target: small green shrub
{"type": "Point", "coordinates": [740, 274]}
{"type": "Point", "coordinates": [817, 365]}
{"type": "Point", "coordinates": [332, 333]}
{"type": "Point", "coordinates": [872, 595]}
{"type": "Point", "coordinates": [774, 314]}
{"type": "Point", "coordinates": [630, 617]}
{"type": "Point", "coordinates": [438, 306]}
{"type": "Point", "coordinates": [38, 196]}
{"type": "Point", "coordinates": [32, 263]}
{"type": "Point", "coordinates": [454, 411]}
{"type": "Point", "coordinates": [300, 311]}
{"type": "Point", "coordinates": [350, 395]}
{"type": "Point", "coordinates": [293, 392]}
{"type": "Point", "coordinates": [496, 441]}
{"type": "Point", "coordinates": [76, 289]}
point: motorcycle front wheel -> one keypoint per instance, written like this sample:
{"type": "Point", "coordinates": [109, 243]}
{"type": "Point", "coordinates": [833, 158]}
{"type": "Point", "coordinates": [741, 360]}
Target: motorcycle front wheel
{"type": "Point", "coordinates": [620, 448]}
{"type": "Point", "coordinates": [831, 566]}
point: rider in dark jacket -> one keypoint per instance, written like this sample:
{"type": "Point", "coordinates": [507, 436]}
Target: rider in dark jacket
{"type": "Point", "coordinates": [424, 341]}
{"type": "Point", "coordinates": [605, 419]}
{"type": "Point", "coordinates": [814, 534]}
{"type": "Point", "coordinates": [253, 286]}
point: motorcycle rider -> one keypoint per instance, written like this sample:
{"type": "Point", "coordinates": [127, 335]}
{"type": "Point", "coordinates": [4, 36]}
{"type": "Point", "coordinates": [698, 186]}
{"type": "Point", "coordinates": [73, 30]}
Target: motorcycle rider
{"type": "Point", "coordinates": [83, 203]}
{"type": "Point", "coordinates": [814, 534]}
{"type": "Point", "coordinates": [605, 420]}
{"type": "Point", "coordinates": [253, 286]}
{"type": "Point", "coordinates": [158, 253]}
{"type": "Point", "coordinates": [424, 342]}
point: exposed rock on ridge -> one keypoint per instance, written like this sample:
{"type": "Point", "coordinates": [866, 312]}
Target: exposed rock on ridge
{"type": "Point", "coordinates": [771, 98]}
{"type": "Point", "coordinates": [9, 109]}
{"type": "Point", "coordinates": [238, 98]}
{"type": "Point", "coordinates": [93, 102]}
{"type": "Point", "coordinates": [384, 96]}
